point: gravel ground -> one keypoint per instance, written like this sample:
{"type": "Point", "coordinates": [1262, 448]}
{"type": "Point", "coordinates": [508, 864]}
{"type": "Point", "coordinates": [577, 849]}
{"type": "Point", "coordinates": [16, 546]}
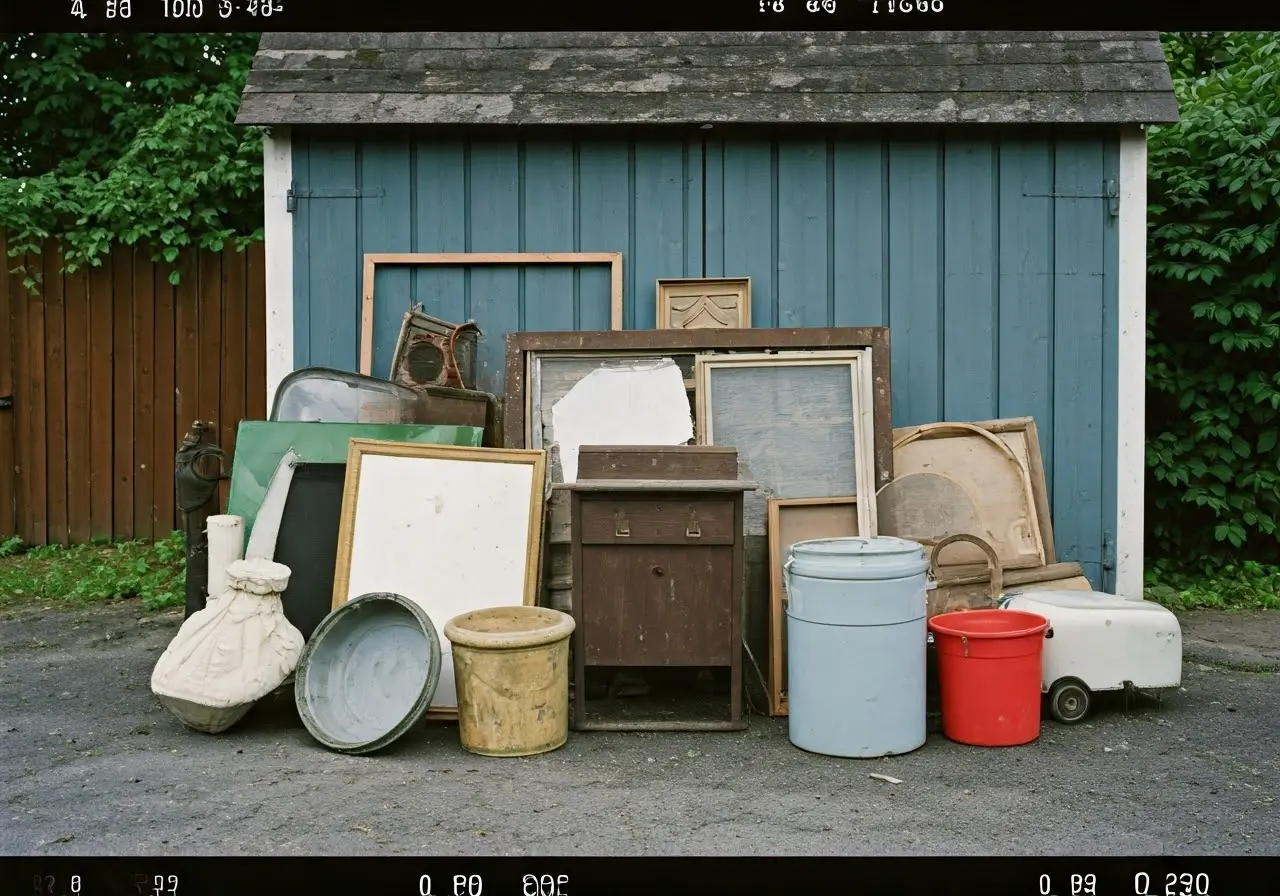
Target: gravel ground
{"type": "Point", "coordinates": [92, 765]}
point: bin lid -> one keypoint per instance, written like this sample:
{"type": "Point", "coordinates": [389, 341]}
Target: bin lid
{"type": "Point", "coordinates": [858, 557]}
{"type": "Point", "coordinates": [1078, 600]}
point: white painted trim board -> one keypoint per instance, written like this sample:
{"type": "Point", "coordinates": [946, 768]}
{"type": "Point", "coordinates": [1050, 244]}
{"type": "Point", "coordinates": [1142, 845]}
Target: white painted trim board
{"type": "Point", "coordinates": [277, 180]}
{"type": "Point", "coordinates": [1131, 364]}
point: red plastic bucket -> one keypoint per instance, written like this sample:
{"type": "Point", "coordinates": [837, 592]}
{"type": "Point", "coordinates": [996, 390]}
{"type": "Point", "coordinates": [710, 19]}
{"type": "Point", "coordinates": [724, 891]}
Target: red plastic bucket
{"type": "Point", "coordinates": [989, 675]}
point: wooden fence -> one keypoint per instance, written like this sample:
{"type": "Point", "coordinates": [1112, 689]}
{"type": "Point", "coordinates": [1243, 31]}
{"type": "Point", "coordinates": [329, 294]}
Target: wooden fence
{"type": "Point", "coordinates": [106, 370]}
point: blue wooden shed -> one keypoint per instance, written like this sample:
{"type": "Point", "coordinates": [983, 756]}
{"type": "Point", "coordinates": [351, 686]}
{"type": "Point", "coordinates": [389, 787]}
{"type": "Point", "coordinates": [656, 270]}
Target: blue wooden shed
{"type": "Point", "coordinates": [980, 193]}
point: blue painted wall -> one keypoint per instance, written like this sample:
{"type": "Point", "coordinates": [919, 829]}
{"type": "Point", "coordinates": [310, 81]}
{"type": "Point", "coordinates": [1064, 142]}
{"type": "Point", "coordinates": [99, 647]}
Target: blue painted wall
{"type": "Point", "coordinates": [1001, 297]}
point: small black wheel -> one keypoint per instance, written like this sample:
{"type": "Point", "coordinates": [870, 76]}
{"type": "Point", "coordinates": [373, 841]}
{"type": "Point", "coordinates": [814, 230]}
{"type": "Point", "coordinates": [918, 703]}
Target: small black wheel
{"type": "Point", "coordinates": [1069, 701]}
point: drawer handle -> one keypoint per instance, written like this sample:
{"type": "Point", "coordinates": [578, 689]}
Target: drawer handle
{"type": "Point", "coordinates": [693, 530]}
{"type": "Point", "coordinates": [621, 528]}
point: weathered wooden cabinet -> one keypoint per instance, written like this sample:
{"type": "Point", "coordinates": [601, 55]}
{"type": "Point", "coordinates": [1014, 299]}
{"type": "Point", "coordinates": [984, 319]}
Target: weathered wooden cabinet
{"type": "Point", "coordinates": [657, 556]}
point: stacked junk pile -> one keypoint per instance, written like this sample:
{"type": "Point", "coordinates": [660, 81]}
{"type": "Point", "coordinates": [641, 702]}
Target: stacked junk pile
{"type": "Point", "coordinates": [652, 530]}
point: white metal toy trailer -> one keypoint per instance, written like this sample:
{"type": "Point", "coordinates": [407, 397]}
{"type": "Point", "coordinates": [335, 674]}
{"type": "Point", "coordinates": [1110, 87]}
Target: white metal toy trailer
{"type": "Point", "coordinates": [1100, 642]}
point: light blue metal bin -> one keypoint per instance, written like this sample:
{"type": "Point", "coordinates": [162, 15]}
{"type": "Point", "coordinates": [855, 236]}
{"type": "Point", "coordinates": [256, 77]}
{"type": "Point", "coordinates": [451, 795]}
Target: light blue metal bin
{"type": "Point", "coordinates": [856, 636]}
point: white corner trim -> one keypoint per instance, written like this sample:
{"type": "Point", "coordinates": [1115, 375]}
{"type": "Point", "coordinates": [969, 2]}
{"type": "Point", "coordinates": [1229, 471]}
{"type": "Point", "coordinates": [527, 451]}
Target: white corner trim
{"type": "Point", "coordinates": [277, 177]}
{"type": "Point", "coordinates": [1131, 364]}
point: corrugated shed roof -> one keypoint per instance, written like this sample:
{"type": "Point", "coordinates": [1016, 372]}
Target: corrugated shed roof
{"type": "Point", "coordinates": [716, 77]}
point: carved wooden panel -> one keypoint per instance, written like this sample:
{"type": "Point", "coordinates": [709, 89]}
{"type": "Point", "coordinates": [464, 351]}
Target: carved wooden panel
{"type": "Point", "coordinates": [716, 304]}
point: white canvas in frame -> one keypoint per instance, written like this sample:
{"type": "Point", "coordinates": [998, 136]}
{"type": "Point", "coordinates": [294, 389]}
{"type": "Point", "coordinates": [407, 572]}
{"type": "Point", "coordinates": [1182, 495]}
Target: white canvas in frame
{"type": "Point", "coordinates": [801, 421]}
{"type": "Point", "coordinates": [452, 529]}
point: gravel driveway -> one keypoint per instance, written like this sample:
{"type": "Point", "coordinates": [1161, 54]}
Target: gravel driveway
{"type": "Point", "coordinates": [93, 765]}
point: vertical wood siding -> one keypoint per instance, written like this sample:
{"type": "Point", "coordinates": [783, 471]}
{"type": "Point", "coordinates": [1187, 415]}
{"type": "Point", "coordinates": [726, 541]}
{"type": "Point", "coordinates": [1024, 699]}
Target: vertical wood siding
{"type": "Point", "coordinates": [1000, 296]}
{"type": "Point", "coordinates": [107, 369]}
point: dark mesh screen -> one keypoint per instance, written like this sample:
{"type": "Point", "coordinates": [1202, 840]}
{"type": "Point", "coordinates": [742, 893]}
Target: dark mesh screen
{"type": "Point", "coordinates": [308, 542]}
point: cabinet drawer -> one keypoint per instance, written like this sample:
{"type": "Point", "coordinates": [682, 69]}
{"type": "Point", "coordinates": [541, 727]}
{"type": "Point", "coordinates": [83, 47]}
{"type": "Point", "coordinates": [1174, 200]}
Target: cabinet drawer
{"type": "Point", "coordinates": [675, 521]}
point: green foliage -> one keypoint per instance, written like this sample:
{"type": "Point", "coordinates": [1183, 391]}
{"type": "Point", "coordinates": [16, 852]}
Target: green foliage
{"type": "Point", "coordinates": [1237, 586]}
{"type": "Point", "coordinates": [1213, 371]}
{"type": "Point", "coordinates": [108, 138]}
{"type": "Point", "coordinates": [154, 572]}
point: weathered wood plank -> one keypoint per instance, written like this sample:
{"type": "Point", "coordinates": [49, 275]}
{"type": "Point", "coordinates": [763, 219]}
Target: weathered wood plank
{"type": "Point", "coordinates": [969, 290]}
{"type": "Point", "coordinates": [663, 234]}
{"type": "Point", "coordinates": [332, 334]}
{"type": "Point", "coordinates": [439, 183]}
{"type": "Point", "coordinates": [55, 380]}
{"type": "Point", "coordinates": [1079, 330]}
{"type": "Point", "coordinates": [804, 264]}
{"type": "Point", "coordinates": [1025, 352]}
{"type": "Point", "coordinates": [748, 216]}
{"type": "Point", "coordinates": [209, 302]}
{"type": "Point", "coordinates": [894, 78]}
{"type": "Point", "coordinates": [859, 234]}
{"type": "Point", "coordinates": [122, 391]}
{"type": "Point", "coordinates": [1115, 547]}
{"type": "Point", "coordinates": [188, 343]}
{"type": "Point", "coordinates": [101, 402]}
{"type": "Point", "coordinates": [386, 225]}
{"type": "Point", "coordinates": [546, 185]}
{"type": "Point", "coordinates": [165, 429]}
{"type": "Point", "coordinates": [990, 107]}
{"type": "Point", "coordinates": [144, 403]}
{"type": "Point", "coordinates": [29, 402]}
{"type": "Point", "coordinates": [768, 57]}
{"type": "Point", "coordinates": [303, 260]}
{"type": "Point", "coordinates": [392, 40]}
{"type": "Point", "coordinates": [495, 295]}
{"type": "Point", "coordinates": [10, 484]}
{"type": "Point", "coordinates": [604, 223]}
{"type": "Point", "coordinates": [915, 285]}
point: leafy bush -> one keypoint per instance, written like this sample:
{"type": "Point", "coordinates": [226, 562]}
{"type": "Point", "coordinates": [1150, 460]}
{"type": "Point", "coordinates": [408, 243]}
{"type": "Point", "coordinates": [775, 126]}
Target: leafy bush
{"type": "Point", "coordinates": [1248, 585]}
{"type": "Point", "coordinates": [108, 138]}
{"type": "Point", "coordinates": [90, 573]}
{"type": "Point", "coordinates": [1213, 368]}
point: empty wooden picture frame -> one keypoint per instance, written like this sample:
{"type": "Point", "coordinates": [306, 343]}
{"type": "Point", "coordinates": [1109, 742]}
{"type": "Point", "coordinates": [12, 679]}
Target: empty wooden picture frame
{"type": "Point", "coordinates": [792, 520]}
{"type": "Point", "coordinates": [802, 423]}
{"type": "Point", "coordinates": [452, 529]}
{"type": "Point", "coordinates": [721, 303]}
{"type": "Point", "coordinates": [469, 259]}
{"type": "Point", "coordinates": [550, 377]}
{"type": "Point", "coordinates": [676, 343]}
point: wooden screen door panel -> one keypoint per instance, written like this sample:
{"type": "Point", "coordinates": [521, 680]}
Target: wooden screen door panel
{"type": "Point", "coordinates": [656, 605]}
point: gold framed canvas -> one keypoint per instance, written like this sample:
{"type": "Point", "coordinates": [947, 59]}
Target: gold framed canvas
{"type": "Point", "coordinates": [720, 303]}
{"type": "Point", "coordinates": [453, 529]}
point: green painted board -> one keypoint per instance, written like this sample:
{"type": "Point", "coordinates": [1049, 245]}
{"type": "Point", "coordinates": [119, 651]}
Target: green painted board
{"type": "Point", "coordinates": [260, 444]}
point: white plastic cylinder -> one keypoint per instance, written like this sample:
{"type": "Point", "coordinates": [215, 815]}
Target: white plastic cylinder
{"type": "Point", "coordinates": [226, 546]}
{"type": "Point", "coordinates": [856, 636]}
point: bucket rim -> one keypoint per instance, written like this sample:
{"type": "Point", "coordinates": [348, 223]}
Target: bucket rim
{"type": "Point", "coordinates": [422, 702]}
{"type": "Point", "coordinates": [846, 546]}
{"type": "Point", "coordinates": [557, 627]}
{"type": "Point", "coordinates": [1022, 624]}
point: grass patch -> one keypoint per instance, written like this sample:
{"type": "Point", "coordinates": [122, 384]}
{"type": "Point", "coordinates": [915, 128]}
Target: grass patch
{"type": "Point", "coordinates": [91, 573]}
{"type": "Point", "coordinates": [1238, 586]}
